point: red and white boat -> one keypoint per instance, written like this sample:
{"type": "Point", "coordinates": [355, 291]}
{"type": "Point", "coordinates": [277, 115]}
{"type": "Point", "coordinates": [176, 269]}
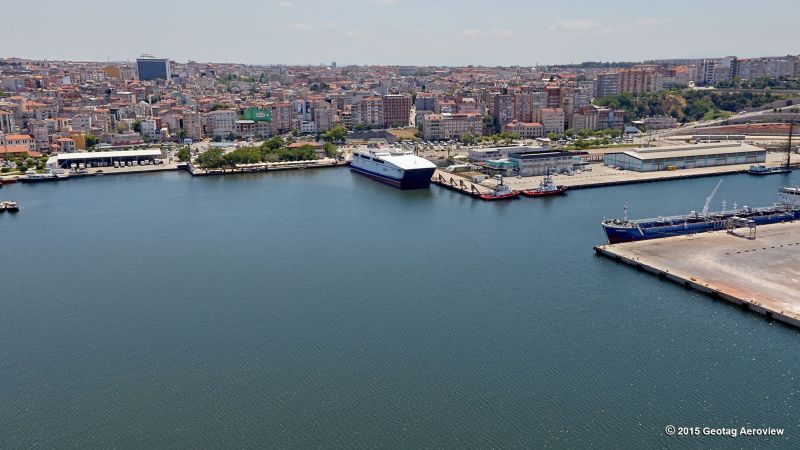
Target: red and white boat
{"type": "Point", "coordinates": [501, 192]}
{"type": "Point", "coordinates": [546, 188]}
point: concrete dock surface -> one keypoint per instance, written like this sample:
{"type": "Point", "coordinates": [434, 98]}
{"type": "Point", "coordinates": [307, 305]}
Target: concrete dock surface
{"type": "Point", "coordinates": [599, 175]}
{"type": "Point", "coordinates": [761, 274]}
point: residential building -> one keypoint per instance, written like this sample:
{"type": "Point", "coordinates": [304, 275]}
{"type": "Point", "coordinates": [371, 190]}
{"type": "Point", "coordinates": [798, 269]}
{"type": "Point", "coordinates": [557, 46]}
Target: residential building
{"type": "Point", "coordinates": [396, 110]}
{"type": "Point", "coordinates": [639, 79]}
{"type": "Point", "coordinates": [221, 122]}
{"type": "Point", "coordinates": [552, 119]}
{"type": "Point", "coordinates": [7, 124]}
{"type": "Point", "coordinates": [451, 126]}
{"type": "Point", "coordinates": [18, 139]}
{"type": "Point", "coordinates": [607, 84]}
{"type": "Point", "coordinates": [65, 145]}
{"type": "Point", "coordinates": [503, 110]}
{"type": "Point", "coordinates": [526, 130]}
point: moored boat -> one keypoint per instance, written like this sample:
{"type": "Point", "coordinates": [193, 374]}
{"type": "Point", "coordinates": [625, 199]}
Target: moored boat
{"type": "Point", "coordinates": [400, 169]}
{"type": "Point", "coordinates": [501, 192]}
{"type": "Point", "coordinates": [9, 206]}
{"type": "Point", "coordinates": [761, 169]}
{"type": "Point", "coordinates": [627, 230]}
{"type": "Point", "coordinates": [546, 188]}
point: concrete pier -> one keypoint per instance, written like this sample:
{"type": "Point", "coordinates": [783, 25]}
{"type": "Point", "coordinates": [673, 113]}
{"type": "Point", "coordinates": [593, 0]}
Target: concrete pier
{"type": "Point", "coordinates": [266, 167]}
{"type": "Point", "coordinates": [761, 274]}
{"type": "Point", "coordinates": [458, 183]}
{"type": "Point", "coordinates": [599, 175]}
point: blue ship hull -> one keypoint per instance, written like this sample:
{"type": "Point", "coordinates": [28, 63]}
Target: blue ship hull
{"type": "Point", "coordinates": [412, 179]}
{"type": "Point", "coordinates": [655, 230]}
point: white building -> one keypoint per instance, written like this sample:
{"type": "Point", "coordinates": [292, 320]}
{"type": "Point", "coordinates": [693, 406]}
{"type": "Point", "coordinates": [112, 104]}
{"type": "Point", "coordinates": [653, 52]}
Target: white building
{"type": "Point", "coordinates": [221, 122]}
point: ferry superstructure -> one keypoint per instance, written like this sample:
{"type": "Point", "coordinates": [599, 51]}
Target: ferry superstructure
{"type": "Point", "coordinates": [396, 168]}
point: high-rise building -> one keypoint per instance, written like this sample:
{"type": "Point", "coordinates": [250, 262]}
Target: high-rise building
{"type": "Point", "coordinates": [396, 110]}
{"type": "Point", "coordinates": [639, 79]}
{"type": "Point", "coordinates": [607, 84]}
{"type": "Point", "coordinates": [152, 68]}
{"type": "Point", "coordinates": [503, 110]}
{"type": "Point", "coordinates": [554, 96]}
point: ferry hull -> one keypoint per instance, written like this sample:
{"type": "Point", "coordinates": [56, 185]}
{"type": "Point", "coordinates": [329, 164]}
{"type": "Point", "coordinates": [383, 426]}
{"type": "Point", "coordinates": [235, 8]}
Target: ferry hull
{"type": "Point", "coordinates": [412, 179]}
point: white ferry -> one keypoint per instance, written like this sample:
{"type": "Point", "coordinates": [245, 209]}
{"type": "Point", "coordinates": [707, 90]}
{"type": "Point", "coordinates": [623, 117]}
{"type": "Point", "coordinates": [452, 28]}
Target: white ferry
{"type": "Point", "coordinates": [397, 168]}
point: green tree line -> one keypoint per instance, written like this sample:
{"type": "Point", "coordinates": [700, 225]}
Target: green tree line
{"type": "Point", "coordinates": [686, 106]}
{"type": "Point", "coordinates": [273, 150]}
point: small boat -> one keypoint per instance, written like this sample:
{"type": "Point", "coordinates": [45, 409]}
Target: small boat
{"type": "Point", "coordinates": [761, 169]}
{"type": "Point", "coordinates": [7, 181]}
{"type": "Point", "coordinates": [546, 188]}
{"type": "Point", "coordinates": [32, 177]}
{"type": "Point", "coordinates": [9, 206]}
{"type": "Point", "coordinates": [501, 192]}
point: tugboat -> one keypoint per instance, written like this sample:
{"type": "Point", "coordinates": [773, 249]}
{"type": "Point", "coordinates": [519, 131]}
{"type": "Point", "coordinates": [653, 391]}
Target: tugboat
{"type": "Point", "coordinates": [9, 206]}
{"type": "Point", "coordinates": [501, 192]}
{"type": "Point", "coordinates": [546, 188]}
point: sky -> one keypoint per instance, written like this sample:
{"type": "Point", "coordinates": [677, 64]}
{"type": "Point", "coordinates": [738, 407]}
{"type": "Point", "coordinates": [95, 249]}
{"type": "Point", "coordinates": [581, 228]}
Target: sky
{"type": "Point", "coordinates": [398, 32]}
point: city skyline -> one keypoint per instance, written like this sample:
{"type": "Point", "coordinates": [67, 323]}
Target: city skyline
{"type": "Point", "coordinates": [402, 32]}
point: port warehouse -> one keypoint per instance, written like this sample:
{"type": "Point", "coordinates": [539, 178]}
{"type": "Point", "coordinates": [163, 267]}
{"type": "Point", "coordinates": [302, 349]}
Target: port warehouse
{"type": "Point", "coordinates": [686, 157]}
{"type": "Point", "coordinates": [527, 161]}
{"type": "Point", "coordinates": [64, 160]}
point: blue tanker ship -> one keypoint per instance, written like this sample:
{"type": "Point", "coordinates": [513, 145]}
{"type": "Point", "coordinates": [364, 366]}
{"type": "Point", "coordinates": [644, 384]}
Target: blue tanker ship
{"type": "Point", "coordinates": [627, 230]}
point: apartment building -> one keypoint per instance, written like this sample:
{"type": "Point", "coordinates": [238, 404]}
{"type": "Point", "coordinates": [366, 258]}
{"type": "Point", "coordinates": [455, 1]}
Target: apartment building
{"type": "Point", "coordinates": [451, 126]}
{"type": "Point", "coordinates": [639, 79]}
{"type": "Point", "coordinates": [552, 119]}
{"type": "Point", "coordinates": [396, 110]}
{"type": "Point", "coordinates": [503, 110]}
{"type": "Point", "coordinates": [221, 122]}
{"type": "Point", "coordinates": [369, 112]}
{"type": "Point", "coordinates": [607, 84]}
{"type": "Point", "coordinates": [523, 108]}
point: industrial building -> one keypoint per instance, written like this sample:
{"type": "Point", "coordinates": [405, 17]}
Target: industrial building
{"type": "Point", "coordinates": [541, 162]}
{"type": "Point", "coordinates": [103, 159]}
{"type": "Point", "coordinates": [486, 154]}
{"type": "Point", "coordinates": [686, 157]}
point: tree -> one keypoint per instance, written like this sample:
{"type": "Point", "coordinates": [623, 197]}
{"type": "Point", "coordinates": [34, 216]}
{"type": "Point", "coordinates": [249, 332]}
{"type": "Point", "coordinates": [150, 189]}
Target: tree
{"type": "Point", "coordinates": [509, 136]}
{"type": "Point", "coordinates": [337, 133]}
{"type": "Point", "coordinates": [91, 140]}
{"type": "Point", "coordinates": [137, 126]}
{"type": "Point", "coordinates": [488, 124]}
{"type": "Point", "coordinates": [184, 155]}
{"type": "Point", "coordinates": [272, 144]}
{"type": "Point", "coordinates": [211, 158]}
{"type": "Point", "coordinates": [331, 150]}
{"type": "Point", "coordinates": [467, 139]}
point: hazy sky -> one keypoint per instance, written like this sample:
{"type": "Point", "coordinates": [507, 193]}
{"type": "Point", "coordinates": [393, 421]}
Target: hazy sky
{"type": "Point", "coordinates": [485, 32]}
